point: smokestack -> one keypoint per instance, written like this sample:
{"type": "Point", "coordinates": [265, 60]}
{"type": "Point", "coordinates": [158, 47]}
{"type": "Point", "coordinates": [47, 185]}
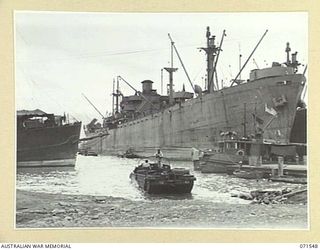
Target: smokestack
{"type": "Point", "coordinates": [147, 86]}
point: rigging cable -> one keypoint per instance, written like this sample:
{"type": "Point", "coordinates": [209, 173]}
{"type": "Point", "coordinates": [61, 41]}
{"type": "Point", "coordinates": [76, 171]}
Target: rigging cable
{"type": "Point", "coordinates": [235, 79]}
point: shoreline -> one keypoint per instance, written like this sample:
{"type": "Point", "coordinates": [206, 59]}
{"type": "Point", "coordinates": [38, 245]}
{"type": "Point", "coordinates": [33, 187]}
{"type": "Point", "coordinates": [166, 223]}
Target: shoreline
{"type": "Point", "coordinates": [44, 210]}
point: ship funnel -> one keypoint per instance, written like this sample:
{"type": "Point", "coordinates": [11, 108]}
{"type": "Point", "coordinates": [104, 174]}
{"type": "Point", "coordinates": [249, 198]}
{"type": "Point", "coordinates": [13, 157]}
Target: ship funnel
{"type": "Point", "coordinates": [146, 86]}
{"type": "Point", "coordinates": [294, 57]}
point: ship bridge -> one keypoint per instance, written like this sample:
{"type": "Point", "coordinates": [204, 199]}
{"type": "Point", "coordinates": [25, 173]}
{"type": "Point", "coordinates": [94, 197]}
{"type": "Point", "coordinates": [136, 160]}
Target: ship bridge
{"type": "Point", "coordinates": [143, 103]}
{"type": "Point", "coordinates": [275, 70]}
{"type": "Point", "coordinates": [149, 101]}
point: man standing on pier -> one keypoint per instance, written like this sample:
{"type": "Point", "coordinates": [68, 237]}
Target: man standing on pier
{"type": "Point", "coordinates": [196, 154]}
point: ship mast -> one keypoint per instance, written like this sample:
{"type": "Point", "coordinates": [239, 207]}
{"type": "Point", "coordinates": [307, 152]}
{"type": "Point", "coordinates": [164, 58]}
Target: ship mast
{"type": "Point", "coordinates": [214, 71]}
{"type": "Point", "coordinates": [171, 70]}
{"type": "Point", "coordinates": [244, 120]}
{"type": "Point", "coordinates": [288, 49]}
{"type": "Point", "coordinates": [116, 95]}
{"type": "Point", "coordinates": [211, 51]}
{"type": "Point", "coordinates": [161, 81]}
{"type": "Point", "coordinates": [293, 63]}
{"type": "Point", "coordinates": [113, 98]}
{"type": "Point", "coordinates": [184, 68]}
{"type": "Point", "coordinates": [240, 66]}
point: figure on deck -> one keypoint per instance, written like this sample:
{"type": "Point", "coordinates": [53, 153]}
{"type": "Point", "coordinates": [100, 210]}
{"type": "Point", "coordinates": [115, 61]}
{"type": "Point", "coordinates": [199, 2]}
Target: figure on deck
{"type": "Point", "coordinates": [146, 164]}
{"type": "Point", "coordinates": [159, 156]}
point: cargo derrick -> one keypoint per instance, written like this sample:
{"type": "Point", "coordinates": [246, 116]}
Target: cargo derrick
{"type": "Point", "coordinates": [264, 105]}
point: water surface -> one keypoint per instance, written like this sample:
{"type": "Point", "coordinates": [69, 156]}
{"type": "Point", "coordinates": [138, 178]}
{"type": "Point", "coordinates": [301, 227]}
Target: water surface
{"type": "Point", "coordinates": [109, 176]}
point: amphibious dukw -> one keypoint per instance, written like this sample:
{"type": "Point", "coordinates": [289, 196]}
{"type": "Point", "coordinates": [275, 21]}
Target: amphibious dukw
{"type": "Point", "coordinates": [263, 105]}
{"type": "Point", "coordinates": [163, 179]}
{"type": "Point", "coordinates": [45, 139]}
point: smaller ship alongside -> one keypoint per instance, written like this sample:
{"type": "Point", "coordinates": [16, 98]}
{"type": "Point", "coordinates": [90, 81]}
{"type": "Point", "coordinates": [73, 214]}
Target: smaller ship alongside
{"type": "Point", "coordinates": [163, 180]}
{"type": "Point", "coordinates": [231, 151]}
{"type": "Point", "coordinates": [129, 154]}
{"type": "Point", "coordinates": [86, 152]}
{"type": "Point", "coordinates": [46, 139]}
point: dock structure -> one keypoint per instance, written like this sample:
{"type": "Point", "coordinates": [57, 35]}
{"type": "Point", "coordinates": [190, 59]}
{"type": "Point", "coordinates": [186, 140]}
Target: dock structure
{"type": "Point", "coordinates": [272, 169]}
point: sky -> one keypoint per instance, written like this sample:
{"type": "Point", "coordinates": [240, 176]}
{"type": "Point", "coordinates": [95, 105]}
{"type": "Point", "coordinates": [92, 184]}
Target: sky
{"type": "Point", "coordinates": [60, 55]}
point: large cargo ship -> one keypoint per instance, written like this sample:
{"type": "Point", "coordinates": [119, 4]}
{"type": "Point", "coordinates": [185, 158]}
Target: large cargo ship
{"type": "Point", "coordinates": [46, 139]}
{"type": "Point", "coordinates": [263, 106]}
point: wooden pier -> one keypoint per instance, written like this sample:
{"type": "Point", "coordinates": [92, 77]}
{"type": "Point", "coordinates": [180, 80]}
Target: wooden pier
{"type": "Point", "coordinates": [272, 169]}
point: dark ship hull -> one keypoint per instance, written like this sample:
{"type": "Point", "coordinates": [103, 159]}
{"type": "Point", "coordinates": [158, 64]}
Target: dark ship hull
{"type": "Point", "coordinates": [48, 146]}
{"type": "Point", "coordinates": [198, 122]}
{"type": "Point", "coordinates": [299, 130]}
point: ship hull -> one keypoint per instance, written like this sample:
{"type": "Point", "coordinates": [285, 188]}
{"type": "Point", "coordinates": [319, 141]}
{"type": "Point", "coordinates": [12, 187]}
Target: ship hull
{"type": "Point", "coordinates": [200, 121]}
{"type": "Point", "coordinates": [48, 146]}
